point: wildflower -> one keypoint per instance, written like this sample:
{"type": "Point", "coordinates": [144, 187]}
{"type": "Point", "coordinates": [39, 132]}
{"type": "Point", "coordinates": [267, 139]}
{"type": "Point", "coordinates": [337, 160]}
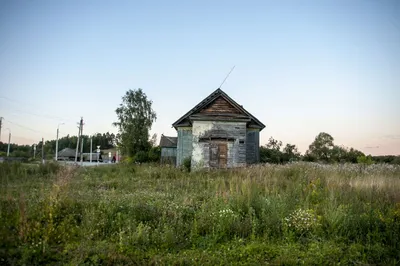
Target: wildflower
{"type": "Point", "coordinates": [301, 221]}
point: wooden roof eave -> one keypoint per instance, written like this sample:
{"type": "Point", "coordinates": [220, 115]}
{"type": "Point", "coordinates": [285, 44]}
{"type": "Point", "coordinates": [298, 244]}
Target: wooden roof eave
{"type": "Point", "coordinates": [214, 95]}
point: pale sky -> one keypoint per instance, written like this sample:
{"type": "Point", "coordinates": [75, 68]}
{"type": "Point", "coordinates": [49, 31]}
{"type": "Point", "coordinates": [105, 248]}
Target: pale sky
{"type": "Point", "coordinates": [302, 67]}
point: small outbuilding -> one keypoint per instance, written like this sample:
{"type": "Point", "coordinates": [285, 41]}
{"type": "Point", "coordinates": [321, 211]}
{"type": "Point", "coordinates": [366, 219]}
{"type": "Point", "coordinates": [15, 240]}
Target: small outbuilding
{"type": "Point", "coordinates": [168, 149]}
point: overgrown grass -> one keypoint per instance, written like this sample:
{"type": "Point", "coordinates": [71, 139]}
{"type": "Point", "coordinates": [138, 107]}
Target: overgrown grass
{"type": "Point", "coordinates": [147, 215]}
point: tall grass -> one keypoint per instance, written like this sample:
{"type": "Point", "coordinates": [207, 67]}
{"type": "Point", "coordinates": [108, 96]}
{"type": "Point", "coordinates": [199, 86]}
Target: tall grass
{"type": "Point", "coordinates": [293, 214]}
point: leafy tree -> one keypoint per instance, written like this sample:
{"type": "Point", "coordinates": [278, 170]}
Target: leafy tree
{"type": "Point", "coordinates": [135, 118]}
{"type": "Point", "coordinates": [353, 154]}
{"type": "Point", "coordinates": [390, 159]}
{"type": "Point", "coordinates": [290, 153]}
{"type": "Point", "coordinates": [153, 140]}
{"type": "Point", "coordinates": [154, 154]}
{"type": "Point", "coordinates": [272, 153]}
{"type": "Point", "coordinates": [365, 160]}
{"type": "Point", "coordinates": [321, 148]}
{"type": "Point", "coordinates": [339, 154]}
{"type": "Point", "coordinates": [274, 144]}
{"type": "Point", "coordinates": [308, 157]}
{"type": "Point", "coordinates": [141, 157]}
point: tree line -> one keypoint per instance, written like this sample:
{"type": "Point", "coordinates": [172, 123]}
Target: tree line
{"type": "Point", "coordinates": [136, 117]}
{"type": "Point", "coordinates": [104, 140]}
{"type": "Point", "coordinates": [322, 149]}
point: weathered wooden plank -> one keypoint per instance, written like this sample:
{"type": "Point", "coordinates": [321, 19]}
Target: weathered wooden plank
{"type": "Point", "coordinates": [220, 105]}
{"type": "Point", "coordinates": [184, 147]}
{"type": "Point", "coordinates": [252, 146]}
{"type": "Point", "coordinates": [208, 132]}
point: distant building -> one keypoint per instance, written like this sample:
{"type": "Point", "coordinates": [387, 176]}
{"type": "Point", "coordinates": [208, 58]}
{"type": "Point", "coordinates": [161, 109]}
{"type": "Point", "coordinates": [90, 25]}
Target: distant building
{"type": "Point", "coordinates": [86, 157]}
{"type": "Point", "coordinates": [218, 133]}
{"type": "Point", "coordinates": [66, 154]}
{"type": "Point", "coordinates": [168, 149]}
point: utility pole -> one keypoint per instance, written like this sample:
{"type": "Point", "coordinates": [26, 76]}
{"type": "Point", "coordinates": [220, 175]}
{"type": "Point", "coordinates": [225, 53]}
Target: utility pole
{"type": "Point", "coordinates": [81, 150]}
{"type": "Point", "coordinates": [9, 141]}
{"type": "Point", "coordinates": [77, 143]}
{"type": "Point", "coordinates": [98, 153]}
{"type": "Point", "coordinates": [81, 141]}
{"type": "Point", "coordinates": [43, 150]}
{"type": "Point", "coordinates": [58, 129]}
{"type": "Point", "coordinates": [91, 144]}
{"type": "Point", "coordinates": [1, 120]}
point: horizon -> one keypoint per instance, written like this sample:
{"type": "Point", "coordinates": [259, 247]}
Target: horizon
{"type": "Point", "coordinates": [301, 67]}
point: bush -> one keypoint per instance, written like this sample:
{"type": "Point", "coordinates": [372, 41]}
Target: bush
{"type": "Point", "coordinates": [366, 160]}
{"type": "Point", "coordinates": [187, 164]}
{"type": "Point", "coordinates": [141, 157]}
{"type": "Point", "coordinates": [154, 154]}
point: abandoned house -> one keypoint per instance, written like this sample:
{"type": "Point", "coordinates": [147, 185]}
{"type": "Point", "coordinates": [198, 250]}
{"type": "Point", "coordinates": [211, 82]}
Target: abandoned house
{"type": "Point", "coordinates": [218, 133]}
{"type": "Point", "coordinates": [168, 149]}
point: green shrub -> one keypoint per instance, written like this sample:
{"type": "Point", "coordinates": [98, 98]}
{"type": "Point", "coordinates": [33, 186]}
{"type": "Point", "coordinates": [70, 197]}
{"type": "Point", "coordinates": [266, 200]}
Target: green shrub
{"type": "Point", "coordinates": [141, 157]}
{"type": "Point", "coordinates": [154, 154]}
{"type": "Point", "coordinates": [366, 160]}
{"type": "Point", "coordinates": [187, 164]}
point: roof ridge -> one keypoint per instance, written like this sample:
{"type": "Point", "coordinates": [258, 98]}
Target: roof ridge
{"type": "Point", "coordinates": [217, 93]}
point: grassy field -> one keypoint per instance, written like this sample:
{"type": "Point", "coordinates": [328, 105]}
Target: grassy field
{"type": "Point", "coordinates": [151, 215]}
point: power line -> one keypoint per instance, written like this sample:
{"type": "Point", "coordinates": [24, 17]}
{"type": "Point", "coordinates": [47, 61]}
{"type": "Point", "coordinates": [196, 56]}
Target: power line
{"type": "Point", "coordinates": [22, 138]}
{"type": "Point", "coordinates": [56, 118]}
{"type": "Point", "coordinates": [35, 114]}
{"type": "Point", "coordinates": [12, 100]}
{"type": "Point", "coordinates": [25, 127]}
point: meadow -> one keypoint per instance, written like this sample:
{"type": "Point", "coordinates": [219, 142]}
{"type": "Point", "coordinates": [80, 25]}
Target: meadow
{"type": "Point", "coordinates": [299, 213]}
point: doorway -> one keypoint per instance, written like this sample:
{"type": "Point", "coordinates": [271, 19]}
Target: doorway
{"type": "Point", "coordinates": [218, 154]}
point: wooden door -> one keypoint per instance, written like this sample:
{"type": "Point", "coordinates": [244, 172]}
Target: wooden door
{"type": "Point", "coordinates": [218, 155]}
{"type": "Point", "coordinates": [213, 155]}
{"type": "Point", "coordinates": [222, 155]}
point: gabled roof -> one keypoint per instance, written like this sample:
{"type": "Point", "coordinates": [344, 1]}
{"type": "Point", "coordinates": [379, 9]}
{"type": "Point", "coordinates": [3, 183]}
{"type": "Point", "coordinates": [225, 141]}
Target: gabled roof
{"type": "Point", "coordinates": [168, 142]}
{"type": "Point", "coordinates": [211, 98]}
{"type": "Point", "coordinates": [67, 152]}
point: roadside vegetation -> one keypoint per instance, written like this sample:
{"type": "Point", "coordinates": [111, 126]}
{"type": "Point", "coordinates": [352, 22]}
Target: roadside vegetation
{"type": "Point", "coordinates": [297, 213]}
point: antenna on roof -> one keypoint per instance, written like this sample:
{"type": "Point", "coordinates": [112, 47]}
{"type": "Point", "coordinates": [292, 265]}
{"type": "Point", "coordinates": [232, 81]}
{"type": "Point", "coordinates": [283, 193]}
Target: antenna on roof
{"type": "Point", "coordinates": [226, 77]}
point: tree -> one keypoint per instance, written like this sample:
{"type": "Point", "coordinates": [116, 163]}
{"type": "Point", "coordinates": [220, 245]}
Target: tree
{"type": "Point", "coordinates": [353, 154]}
{"type": "Point", "coordinates": [271, 152]}
{"type": "Point", "coordinates": [321, 148]}
{"type": "Point", "coordinates": [365, 160]}
{"type": "Point", "coordinates": [153, 141]}
{"type": "Point", "coordinates": [135, 118]}
{"type": "Point", "coordinates": [274, 144]}
{"type": "Point", "coordinates": [290, 153]}
{"type": "Point", "coordinates": [339, 154]}
{"type": "Point", "coordinates": [154, 154]}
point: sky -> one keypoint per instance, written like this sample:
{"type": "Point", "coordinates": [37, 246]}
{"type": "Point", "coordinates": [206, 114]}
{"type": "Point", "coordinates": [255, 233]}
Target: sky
{"type": "Point", "coordinates": [301, 67]}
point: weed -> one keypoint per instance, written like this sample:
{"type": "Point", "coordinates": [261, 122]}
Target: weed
{"type": "Point", "coordinates": [299, 213]}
